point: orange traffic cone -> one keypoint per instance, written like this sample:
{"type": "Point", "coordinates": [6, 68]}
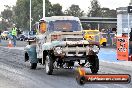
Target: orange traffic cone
{"type": "Point", "coordinates": [10, 44]}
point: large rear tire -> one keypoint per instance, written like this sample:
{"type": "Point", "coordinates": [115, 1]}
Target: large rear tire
{"type": "Point", "coordinates": [94, 65]}
{"type": "Point", "coordinates": [49, 65]}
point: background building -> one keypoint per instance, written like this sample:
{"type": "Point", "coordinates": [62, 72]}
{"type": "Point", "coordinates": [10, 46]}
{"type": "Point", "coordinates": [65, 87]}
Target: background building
{"type": "Point", "coordinates": [122, 20]}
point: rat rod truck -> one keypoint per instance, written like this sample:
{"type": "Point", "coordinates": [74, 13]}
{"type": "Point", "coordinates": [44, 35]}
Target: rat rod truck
{"type": "Point", "coordinates": [61, 45]}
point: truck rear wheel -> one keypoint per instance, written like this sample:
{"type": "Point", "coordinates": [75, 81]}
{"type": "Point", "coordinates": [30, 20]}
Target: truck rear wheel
{"type": "Point", "coordinates": [33, 65]}
{"type": "Point", "coordinates": [49, 65]}
{"type": "Point", "coordinates": [94, 64]}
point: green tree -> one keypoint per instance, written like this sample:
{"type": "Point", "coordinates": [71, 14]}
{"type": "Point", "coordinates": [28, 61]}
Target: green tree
{"type": "Point", "coordinates": [48, 8]}
{"type": "Point", "coordinates": [22, 13]}
{"type": "Point", "coordinates": [6, 17]}
{"type": "Point", "coordinates": [4, 25]}
{"type": "Point", "coordinates": [37, 10]}
{"type": "Point", "coordinates": [74, 10]}
{"type": "Point", "coordinates": [57, 10]}
{"type": "Point", "coordinates": [95, 9]}
{"type": "Point", "coordinates": [106, 12]}
{"type": "Point", "coordinates": [7, 13]}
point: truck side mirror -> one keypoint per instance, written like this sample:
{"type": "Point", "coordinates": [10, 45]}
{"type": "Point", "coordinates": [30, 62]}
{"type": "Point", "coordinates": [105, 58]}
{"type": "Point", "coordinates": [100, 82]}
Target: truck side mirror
{"type": "Point", "coordinates": [42, 27]}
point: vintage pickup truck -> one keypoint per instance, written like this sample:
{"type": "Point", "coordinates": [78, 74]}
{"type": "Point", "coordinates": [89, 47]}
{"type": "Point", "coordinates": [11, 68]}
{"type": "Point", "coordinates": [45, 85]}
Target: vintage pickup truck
{"type": "Point", "coordinates": [61, 45]}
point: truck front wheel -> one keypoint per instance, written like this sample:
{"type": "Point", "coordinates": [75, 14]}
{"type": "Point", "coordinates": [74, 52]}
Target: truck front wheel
{"type": "Point", "coordinates": [49, 65]}
{"type": "Point", "coordinates": [94, 64]}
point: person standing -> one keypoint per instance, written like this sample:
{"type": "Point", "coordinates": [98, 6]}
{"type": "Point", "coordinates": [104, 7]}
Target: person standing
{"type": "Point", "coordinates": [14, 35]}
{"type": "Point", "coordinates": [130, 43]}
{"type": "Point", "coordinates": [0, 36]}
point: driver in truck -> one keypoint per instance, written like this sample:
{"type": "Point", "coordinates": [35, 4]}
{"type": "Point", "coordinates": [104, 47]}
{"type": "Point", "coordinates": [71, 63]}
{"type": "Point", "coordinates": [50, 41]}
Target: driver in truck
{"type": "Point", "coordinates": [130, 43]}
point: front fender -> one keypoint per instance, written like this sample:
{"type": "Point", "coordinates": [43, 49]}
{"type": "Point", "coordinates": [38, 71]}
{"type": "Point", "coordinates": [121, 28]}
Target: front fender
{"type": "Point", "coordinates": [50, 46]}
{"type": "Point", "coordinates": [47, 46]}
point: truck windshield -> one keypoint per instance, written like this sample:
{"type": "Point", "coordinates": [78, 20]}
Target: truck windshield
{"type": "Point", "coordinates": [64, 25]}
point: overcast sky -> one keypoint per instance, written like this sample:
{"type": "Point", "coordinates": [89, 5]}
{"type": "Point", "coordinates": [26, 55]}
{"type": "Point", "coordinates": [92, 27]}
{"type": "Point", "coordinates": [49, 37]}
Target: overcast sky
{"type": "Point", "coordinates": [84, 4]}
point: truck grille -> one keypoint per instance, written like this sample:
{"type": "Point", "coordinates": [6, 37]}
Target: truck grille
{"type": "Point", "coordinates": [72, 39]}
{"type": "Point", "coordinates": [75, 50]}
{"type": "Point", "coordinates": [84, 45]}
{"type": "Point", "coordinates": [73, 46]}
{"type": "Point", "coordinates": [79, 53]}
{"type": "Point", "coordinates": [72, 53]}
{"type": "Point", "coordinates": [84, 53]}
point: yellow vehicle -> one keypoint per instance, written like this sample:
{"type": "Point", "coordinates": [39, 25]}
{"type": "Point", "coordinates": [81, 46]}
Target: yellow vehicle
{"type": "Point", "coordinates": [95, 35]}
{"type": "Point", "coordinates": [4, 35]}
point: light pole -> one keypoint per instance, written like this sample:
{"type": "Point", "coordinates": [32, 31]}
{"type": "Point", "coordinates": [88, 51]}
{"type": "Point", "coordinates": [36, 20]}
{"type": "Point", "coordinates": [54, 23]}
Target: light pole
{"type": "Point", "coordinates": [44, 9]}
{"type": "Point", "coordinates": [30, 16]}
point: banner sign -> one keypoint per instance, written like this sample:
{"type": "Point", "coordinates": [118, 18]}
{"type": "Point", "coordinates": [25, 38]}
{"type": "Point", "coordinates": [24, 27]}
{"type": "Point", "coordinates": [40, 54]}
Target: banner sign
{"type": "Point", "coordinates": [122, 48]}
{"type": "Point", "coordinates": [83, 78]}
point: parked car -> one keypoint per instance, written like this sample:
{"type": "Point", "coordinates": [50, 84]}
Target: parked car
{"type": "Point", "coordinates": [31, 35]}
{"type": "Point", "coordinates": [22, 37]}
{"type": "Point", "coordinates": [95, 35]}
{"type": "Point", "coordinates": [4, 35]}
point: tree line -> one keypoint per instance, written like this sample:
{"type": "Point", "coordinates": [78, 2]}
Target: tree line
{"type": "Point", "coordinates": [20, 15]}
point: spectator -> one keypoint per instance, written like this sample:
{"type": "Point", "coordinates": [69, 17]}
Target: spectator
{"type": "Point", "coordinates": [0, 36]}
{"type": "Point", "coordinates": [14, 35]}
{"type": "Point", "coordinates": [130, 43]}
{"type": "Point", "coordinates": [10, 36]}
